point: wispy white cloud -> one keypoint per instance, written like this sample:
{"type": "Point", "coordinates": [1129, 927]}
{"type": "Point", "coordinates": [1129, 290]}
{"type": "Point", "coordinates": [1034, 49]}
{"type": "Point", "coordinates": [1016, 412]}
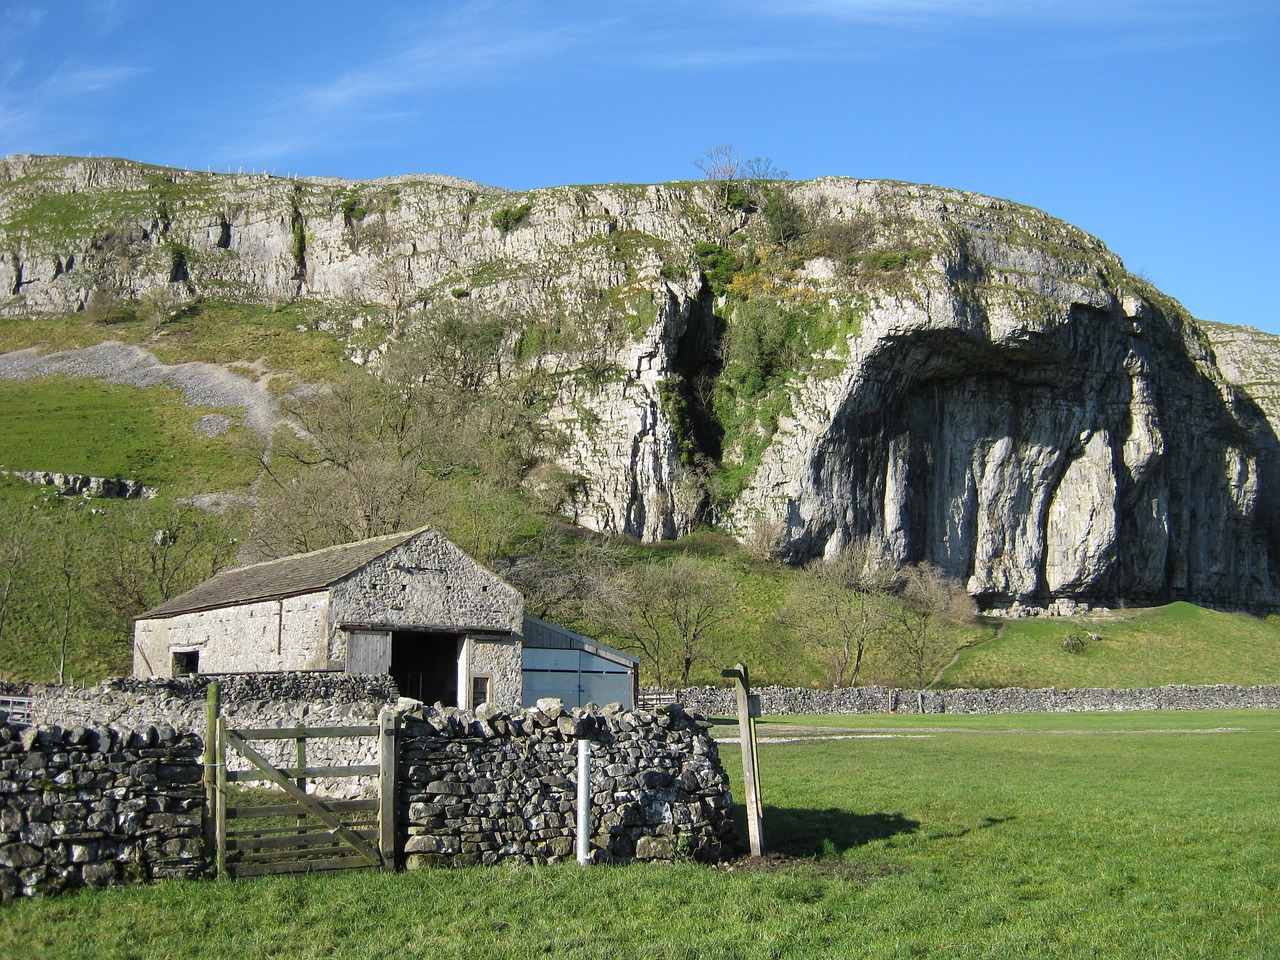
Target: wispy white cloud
{"type": "Point", "coordinates": [39, 110]}
{"type": "Point", "coordinates": [19, 20]}
{"type": "Point", "coordinates": [480, 44]}
{"type": "Point", "coordinates": [920, 11]}
{"type": "Point", "coordinates": [830, 28]}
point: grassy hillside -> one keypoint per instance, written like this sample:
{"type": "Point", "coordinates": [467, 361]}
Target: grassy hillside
{"type": "Point", "coordinates": [149, 434]}
{"type": "Point", "coordinates": [105, 430]}
{"type": "Point", "coordinates": [72, 571]}
{"type": "Point", "coordinates": [1178, 643]}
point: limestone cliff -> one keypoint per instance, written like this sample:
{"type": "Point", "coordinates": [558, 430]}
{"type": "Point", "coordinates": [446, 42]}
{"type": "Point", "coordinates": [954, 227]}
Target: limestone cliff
{"type": "Point", "coordinates": [967, 380]}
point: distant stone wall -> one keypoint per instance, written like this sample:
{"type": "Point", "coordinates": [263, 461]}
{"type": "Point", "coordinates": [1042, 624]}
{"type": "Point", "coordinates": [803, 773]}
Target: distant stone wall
{"type": "Point", "coordinates": [789, 701]}
{"type": "Point", "coordinates": [78, 484]}
{"type": "Point", "coordinates": [90, 807]}
{"type": "Point", "coordinates": [502, 786]}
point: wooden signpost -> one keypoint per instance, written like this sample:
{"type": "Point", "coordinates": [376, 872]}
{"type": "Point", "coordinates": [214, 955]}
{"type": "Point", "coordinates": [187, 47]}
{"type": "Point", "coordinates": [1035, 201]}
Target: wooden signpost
{"type": "Point", "coordinates": [750, 758]}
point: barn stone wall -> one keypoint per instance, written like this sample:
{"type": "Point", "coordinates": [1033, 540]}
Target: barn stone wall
{"type": "Point", "coordinates": [268, 635]}
{"type": "Point", "coordinates": [427, 583]}
{"type": "Point", "coordinates": [790, 701]}
{"type": "Point", "coordinates": [496, 787]}
{"type": "Point", "coordinates": [90, 807]}
{"type": "Point", "coordinates": [502, 662]}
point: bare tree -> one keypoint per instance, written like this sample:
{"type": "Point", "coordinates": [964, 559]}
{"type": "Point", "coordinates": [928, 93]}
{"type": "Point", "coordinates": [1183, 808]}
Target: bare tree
{"type": "Point", "coordinates": [17, 544]}
{"type": "Point", "coordinates": [927, 598]}
{"type": "Point", "coordinates": [567, 578]}
{"type": "Point", "coordinates": [763, 168]}
{"type": "Point", "coordinates": [668, 609]}
{"type": "Point", "coordinates": [150, 553]}
{"type": "Point", "coordinates": [843, 607]}
{"type": "Point", "coordinates": [49, 618]}
{"type": "Point", "coordinates": [721, 162]}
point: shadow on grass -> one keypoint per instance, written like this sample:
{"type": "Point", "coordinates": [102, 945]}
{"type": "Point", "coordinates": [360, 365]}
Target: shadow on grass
{"type": "Point", "coordinates": [823, 833]}
{"type": "Point", "coordinates": [986, 824]}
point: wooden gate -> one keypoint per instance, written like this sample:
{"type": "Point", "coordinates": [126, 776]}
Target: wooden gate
{"type": "Point", "coordinates": [300, 832]}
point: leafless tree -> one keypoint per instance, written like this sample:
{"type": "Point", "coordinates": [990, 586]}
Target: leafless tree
{"type": "Point", "coordinates": [763, 168]}
{"type": "Point", "coordinates": [17, 544]}
{"type": "Point", "coordinates": [927, 599]}
{"type": "Point", "coordinates": [721, 162]}
{"type": "Point", "coordinates": [148, 554]}
{"type": "Point", "coordinates": [843, 607]}
{"type": "Point", "coordinates": [667, 610]}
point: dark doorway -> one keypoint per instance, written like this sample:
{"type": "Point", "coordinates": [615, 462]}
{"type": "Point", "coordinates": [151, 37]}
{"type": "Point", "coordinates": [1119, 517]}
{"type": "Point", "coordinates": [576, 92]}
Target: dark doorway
{"type": "Point", "coordinates": [425, 665]}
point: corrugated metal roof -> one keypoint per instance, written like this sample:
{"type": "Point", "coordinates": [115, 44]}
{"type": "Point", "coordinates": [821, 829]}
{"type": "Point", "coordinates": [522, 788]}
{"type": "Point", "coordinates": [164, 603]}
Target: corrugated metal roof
{"type": "Point", "coordinates": [286, 577]}
{"type": "Point", "coordinates": [540, 635]}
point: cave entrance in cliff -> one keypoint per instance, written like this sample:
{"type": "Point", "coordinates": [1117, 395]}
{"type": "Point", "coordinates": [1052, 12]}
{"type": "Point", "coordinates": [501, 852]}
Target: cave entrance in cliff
{"type": "Point", "coordinates": [425, 665]}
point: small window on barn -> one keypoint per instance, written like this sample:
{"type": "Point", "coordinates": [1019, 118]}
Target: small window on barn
{"type": "Point", "coordinates": [480, 691]}
{"type": "Point", "coordinates": [186, 664]}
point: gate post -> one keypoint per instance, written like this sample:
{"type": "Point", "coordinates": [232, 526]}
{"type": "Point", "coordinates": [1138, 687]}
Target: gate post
{"type": "Point", "coordinates": [750, 758]}
{"type": "Point", "coordinates": [213, 706]}
{"type": "Point", "coordinates": [388, 727]}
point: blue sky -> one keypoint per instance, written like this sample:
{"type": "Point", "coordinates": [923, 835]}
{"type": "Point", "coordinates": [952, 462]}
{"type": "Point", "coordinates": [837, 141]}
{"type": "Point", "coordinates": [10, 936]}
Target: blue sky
{"type": "Point", "coordinates": [1150, 123]}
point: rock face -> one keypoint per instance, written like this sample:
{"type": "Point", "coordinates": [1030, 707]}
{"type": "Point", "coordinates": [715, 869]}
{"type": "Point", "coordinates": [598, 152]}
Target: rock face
{"type": "Point", "coordinates": [77, 484]}
{"type": "Point", "coordinates": [968, 381]}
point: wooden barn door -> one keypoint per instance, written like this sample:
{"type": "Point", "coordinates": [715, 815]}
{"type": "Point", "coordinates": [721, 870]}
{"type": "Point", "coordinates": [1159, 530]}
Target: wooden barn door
{"type": "Point", "coordinates": [369, 651]}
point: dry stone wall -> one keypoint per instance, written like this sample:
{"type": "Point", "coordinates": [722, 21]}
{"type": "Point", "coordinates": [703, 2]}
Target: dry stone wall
{"type": "Point", "coordinates": [83, 804]}
{"type": "Point", "coordinates": [501, 787]}
{"type": "Point", "coordinates": [788, 701]}
{"type": "Point", "coordinates": [248, 700]}
{"type": "Point", "coordinates": [91, 807]}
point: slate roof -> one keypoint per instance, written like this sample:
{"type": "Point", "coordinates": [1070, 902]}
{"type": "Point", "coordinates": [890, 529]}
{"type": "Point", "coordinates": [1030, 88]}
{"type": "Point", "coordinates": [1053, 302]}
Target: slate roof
{"type": "Point", "coordinates": [286, 577]}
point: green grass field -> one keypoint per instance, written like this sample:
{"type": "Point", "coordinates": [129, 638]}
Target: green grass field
{"type": "Point", "coordinates": [1090, 836]}
{"type": "Point", "coordinates": [287, 339]}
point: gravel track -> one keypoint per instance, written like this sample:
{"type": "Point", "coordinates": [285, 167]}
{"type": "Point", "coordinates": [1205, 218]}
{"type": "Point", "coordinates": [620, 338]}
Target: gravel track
{"type": "Point", "coordinates": [202, 384]}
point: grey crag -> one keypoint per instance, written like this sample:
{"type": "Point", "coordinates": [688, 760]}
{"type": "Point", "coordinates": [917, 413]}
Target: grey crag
{"type": "Point", "coordinates": [966, 380]}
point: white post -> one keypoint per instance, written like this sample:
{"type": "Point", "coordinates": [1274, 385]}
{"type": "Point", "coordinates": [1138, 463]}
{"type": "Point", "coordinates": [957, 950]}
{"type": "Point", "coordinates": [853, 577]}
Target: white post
{"type": "Point", "coordinates": [584, 801]}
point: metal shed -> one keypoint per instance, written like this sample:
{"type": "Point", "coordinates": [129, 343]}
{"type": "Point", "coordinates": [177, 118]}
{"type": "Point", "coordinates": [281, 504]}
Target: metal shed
{"type": "Point", "coordinates": [560, 663]}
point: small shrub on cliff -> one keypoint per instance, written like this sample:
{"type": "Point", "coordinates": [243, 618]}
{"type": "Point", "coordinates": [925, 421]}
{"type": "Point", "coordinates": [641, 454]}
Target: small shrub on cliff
{"type": "Point", "coordinates": [718, 265]}
{"type": "Point", "coordinates": [508, 218]}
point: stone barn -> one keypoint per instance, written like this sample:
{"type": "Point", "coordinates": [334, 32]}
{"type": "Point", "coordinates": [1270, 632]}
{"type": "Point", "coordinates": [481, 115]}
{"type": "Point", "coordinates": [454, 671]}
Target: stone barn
{"type": "Point", "coordinates": [410, 604]}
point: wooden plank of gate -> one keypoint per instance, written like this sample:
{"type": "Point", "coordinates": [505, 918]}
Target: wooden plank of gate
{"type": "Point", "coordinates": [359, 770]}
{"type": "Point", "coordinates": [295, 866]}
{"type": "Point", "coordinates": [298, 833]}
{"type": "Point", "coordinates": [292, 809]}
{"type": "Point", "coordinates": [311, 733]}
{"type": "Point", "coordinates": [309, 857]}
{"type": "Point", "coordinates": [313, 806]}
{"type": "Point", "coordinates": [299, 843]}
